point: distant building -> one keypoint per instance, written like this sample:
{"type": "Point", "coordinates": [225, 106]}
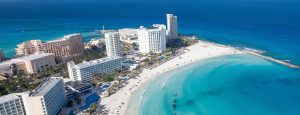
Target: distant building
{"type": "Point", "coordinates": [29, 64]}
{"type": "Point", "coordinates": [113, 44]}
{"type": "Point", "coordinates": [29, 47]}
{"type": "Point", "coordinates": [153, 39]}
{"type": "Point", "coordinates": [11, 105]}
{"type": "Point", "coordinates": [128, 35]}
{"type": "Point", "coordinates": [86, 70]}
{"type": "Point", "coordinates": [63, 49]}
{"type": "Point", "coordinates": [1, 55]}
{"type": "Point", "coordinates": [96, 42]}
{"type": "Point", "coordinates": [47, 99]}
{"type": "Point", "coordinates": [66, 48]}
{"type": "Point", "coordinates": [172, 26]}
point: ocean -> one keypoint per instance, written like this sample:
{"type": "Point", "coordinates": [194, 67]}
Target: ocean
{"type": "Point", "coordinates": [228, 85]}
{"type": "Point", "coordinates": [239, 84]}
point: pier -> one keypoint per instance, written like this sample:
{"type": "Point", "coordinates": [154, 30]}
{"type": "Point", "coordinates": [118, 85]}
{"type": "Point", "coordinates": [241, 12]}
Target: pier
{"type": "Point", "coordinates": [274, 60]}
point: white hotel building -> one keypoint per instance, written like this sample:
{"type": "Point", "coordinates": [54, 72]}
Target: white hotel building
{"type": "Point", "coordinates": [47, 99]}
{"type": "Point", "coordinates": [11, 105]}
{"type": "Point", "coordinates": [112, 42]}
{"type": "Point", "coordinates": [86, 70]}
{"type": "Point", "coordinates": [153, 39]}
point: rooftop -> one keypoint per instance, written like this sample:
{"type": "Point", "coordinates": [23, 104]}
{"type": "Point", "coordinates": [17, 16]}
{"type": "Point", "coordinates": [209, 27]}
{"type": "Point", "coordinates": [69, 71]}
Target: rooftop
{"type": "Point", "coordinates": [113, 32]}
{"type": "Point", "coordinates": [34, 56]}
{"type": "Point", "coordinates": [7, 98]}
{"type": "Point", "coordinates": [77, 84]}
{"type": "Point", "coordinates": [85, 64]}
{"type": "Point", "coordinates": [154, 26]}
{"type": "Point", "coordinates": [64, 38]}
{"type": "Point", "coordinates": [45, 86]}
{"type": "Point", "coordinates": [24, 58]}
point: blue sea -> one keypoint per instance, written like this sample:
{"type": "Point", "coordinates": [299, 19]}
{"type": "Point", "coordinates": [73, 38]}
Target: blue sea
{"type": "Point", "coordinates": [240, 84]}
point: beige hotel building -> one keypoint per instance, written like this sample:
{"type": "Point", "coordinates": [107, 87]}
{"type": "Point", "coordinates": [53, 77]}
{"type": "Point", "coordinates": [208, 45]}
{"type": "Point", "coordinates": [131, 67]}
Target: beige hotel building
{"type": "Point", "coordinates": [30, 64]}
{"type": "Point", "coordinates": [64, 49]}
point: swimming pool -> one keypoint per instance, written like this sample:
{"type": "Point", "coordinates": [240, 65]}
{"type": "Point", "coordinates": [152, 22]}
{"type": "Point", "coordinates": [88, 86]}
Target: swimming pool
{"type": "Point", "coordinates": [93, 98]}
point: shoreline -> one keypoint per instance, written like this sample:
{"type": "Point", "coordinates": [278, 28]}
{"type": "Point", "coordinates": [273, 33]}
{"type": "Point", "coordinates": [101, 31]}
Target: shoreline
{"type": "Point", "coordinates": [118, 103]}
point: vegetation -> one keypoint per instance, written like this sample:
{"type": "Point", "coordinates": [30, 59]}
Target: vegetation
{"type": "Point", "coordinates": [109, 77]}
{"type": "Point", "coordinates": [90, 54]}
{"type": "Point", "coordinates": [184, 41]}
{"type": "Point", "coordinates": [126, 48]}
{"type": "Point", "coordinates": [26, 82]}
{"type": "Point", "coordinates": [23, 82]}
{"type": "Point", "coordinates": [92, 109]}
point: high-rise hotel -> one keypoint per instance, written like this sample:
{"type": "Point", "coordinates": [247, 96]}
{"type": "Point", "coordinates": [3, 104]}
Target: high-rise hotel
{"type": "Point", "coordinates": [47, 99]}
{"type": "Point", "coordinates": [11, 105]}
{"type": "Point", "coordinates": [63, 49]}
{"type": "Point", "coordinates": [153, 39]}
{"type": "Point", "coordinates": [172, 26]}
{"type": "Point", "coordinates": [86, 70]}
{"type": "Point", "coordinates": [112, 42]}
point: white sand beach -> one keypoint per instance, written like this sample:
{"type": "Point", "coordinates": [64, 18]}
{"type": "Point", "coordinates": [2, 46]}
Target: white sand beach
{"type": "Point", "coordinates": [118, 103]}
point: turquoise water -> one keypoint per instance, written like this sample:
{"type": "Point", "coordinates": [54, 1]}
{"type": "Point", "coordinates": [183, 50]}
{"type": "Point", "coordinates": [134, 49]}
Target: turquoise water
{"type": "Point", "coordinates": [227, 85]}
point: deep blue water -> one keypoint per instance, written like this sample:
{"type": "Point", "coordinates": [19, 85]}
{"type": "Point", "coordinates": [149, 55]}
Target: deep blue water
{"type": "Point", "coordinates": [270, 25]}
{"type": "Point", "coordinates": [227, 85]}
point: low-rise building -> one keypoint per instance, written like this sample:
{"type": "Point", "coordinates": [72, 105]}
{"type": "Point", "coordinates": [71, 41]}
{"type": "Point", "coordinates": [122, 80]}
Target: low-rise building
{"type": "Point", "coordinates": [128, 35]}
{"type": "Point", "coordinates": [86, 70]}
{"type": "Point", "coordinates": [77, 88]}
{"type": "Point", "coordinates": [47, 99]}
{"type": "Point", "coordinates": [11, 105]}
{"type": "Point", "coordinates": [29, 64]}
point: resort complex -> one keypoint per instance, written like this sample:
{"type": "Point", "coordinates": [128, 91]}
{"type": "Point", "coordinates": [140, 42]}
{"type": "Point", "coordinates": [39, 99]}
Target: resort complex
{"type": "Point", "coordinates": [64, 49]}
{"type": "Point", "coordinates": [85, 71]}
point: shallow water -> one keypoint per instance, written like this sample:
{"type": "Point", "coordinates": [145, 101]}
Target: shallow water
{"type": "Point", "coordinates": [227, 85]}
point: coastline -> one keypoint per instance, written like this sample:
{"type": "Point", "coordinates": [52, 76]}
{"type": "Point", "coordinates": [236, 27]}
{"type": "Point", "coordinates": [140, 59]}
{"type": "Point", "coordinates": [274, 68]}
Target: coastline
{"type": "Point", "coordinates": [118, 103]}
